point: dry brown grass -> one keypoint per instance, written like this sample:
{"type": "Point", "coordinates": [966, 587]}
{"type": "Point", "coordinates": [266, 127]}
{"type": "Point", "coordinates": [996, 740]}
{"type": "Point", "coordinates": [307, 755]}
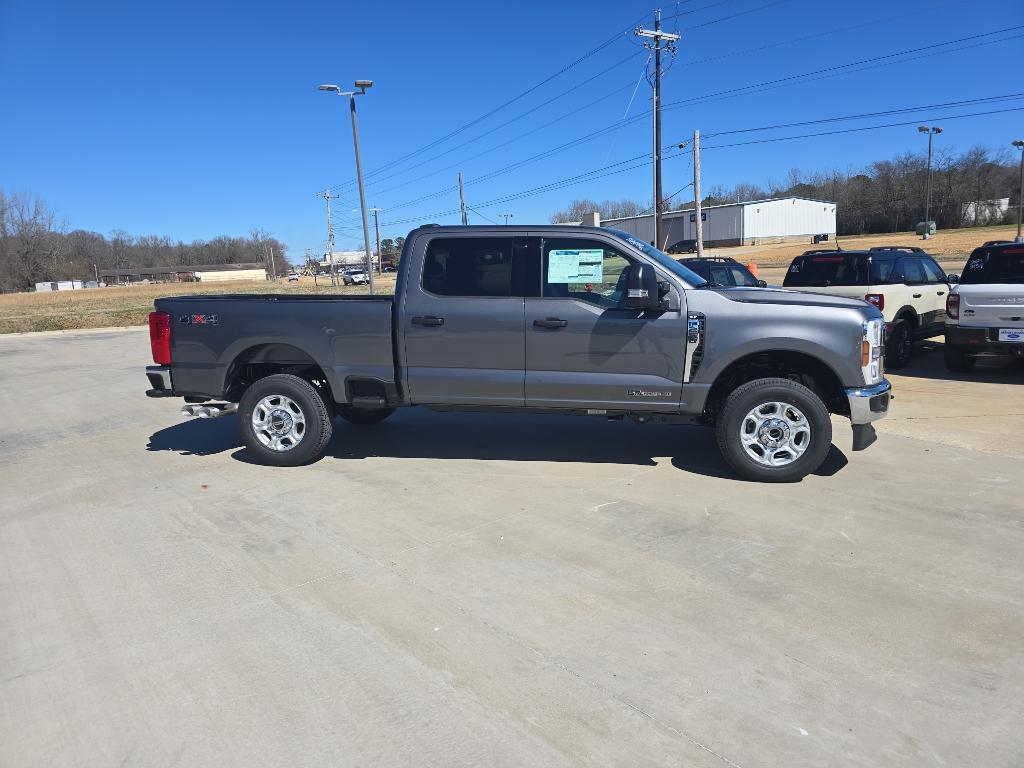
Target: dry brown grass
{"type": "Point", "coordinates": [131, 305]}
{"type": "Point", "coordinates": [950, 245]}
{"type": "Point", "coordinates": [107, 307]}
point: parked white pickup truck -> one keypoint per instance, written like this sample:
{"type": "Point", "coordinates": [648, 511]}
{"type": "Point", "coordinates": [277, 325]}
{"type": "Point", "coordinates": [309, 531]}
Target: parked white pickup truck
{"type": "Point", "coordinates": [985, 312]}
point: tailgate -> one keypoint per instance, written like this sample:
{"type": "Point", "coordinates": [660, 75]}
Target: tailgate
{"type": "Point", "coordinates": [992, 306]}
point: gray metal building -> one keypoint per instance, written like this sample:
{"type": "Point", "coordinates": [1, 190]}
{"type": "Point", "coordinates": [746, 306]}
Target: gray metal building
{"type": "Point", "coordinates": [747, 223]}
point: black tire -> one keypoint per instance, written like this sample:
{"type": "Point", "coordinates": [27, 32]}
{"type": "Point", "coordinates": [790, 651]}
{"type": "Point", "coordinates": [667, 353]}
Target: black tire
{"type": "Point", "coordinates": [899, 346]}
{"type": "Point", "coordinates": [364, 418]}
{"type": "Point", "coordinates": [957, 361]}
{"type": "Point", "coordinates": [316, 420]}
{"type": "Point", "coordinates": [762, 392]}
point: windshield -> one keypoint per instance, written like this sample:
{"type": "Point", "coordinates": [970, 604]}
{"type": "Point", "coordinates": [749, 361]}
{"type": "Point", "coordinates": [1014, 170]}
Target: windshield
{"type": "Point", "coordinates": [999, 265]}
{"type": "Point", "coordinates": [663, 259]}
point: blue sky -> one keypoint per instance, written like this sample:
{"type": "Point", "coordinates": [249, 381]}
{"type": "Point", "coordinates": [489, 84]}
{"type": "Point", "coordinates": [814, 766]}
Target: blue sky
{"type": "Point", "coordinates": [198, 119]}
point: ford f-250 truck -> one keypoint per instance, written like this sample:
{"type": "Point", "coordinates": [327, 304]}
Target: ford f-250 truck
{"type": "Point", "coordinates": [555, 319]}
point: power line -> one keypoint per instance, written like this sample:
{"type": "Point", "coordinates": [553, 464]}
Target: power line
{"type": "Point", "coordinates": [507, 103]}
{"type": "Point", "coordinates": [779, 82]}
{"type": "Point", "coordinates": [533, 88]}
{"type": "Point", "coordinates": [632, 164]}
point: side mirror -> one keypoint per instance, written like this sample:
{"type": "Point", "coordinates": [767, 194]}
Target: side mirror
{"type": "Point", "coordinates": [952, 278]}
{"type": "Point", "coordinates": [642, 287]}
{"type": "Point", "coordinates": [762, 283]}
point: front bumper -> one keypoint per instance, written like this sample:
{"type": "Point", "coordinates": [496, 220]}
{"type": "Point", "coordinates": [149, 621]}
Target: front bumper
{"type": "Point", "coordinates": [160, 380]}
{"type": "Point", "coordinates": [868, 404]}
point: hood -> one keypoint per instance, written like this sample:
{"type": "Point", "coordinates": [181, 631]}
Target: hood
{"type": "Point", "coordinates": [782, 296]}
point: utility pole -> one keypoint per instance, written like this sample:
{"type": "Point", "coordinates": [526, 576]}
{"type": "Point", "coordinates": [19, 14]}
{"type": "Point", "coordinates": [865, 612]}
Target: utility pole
{"type": "Point", "coordinates": [376, 228]}
{"type": "Point", "coordinates": [506, 217]}
{"type": "Point", "coordinates": [696, 195]}
{"type": "Point", "coordinates": [1019, 144]}
{"type": "Point", "coordinates": [928, 186]}
{"type": "Point", "coordinates": [273, 266]}
{"type": "Point", "coordinates": [462, 201]}
{"type": "Point", "coordinates": [330, 238]}
{"type": "Point", "coordinates": [669, 39]}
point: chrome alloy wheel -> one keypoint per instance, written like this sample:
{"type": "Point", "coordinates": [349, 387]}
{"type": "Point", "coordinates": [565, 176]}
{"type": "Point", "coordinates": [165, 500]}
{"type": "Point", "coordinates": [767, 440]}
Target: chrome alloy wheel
{"type": "Point", "coordinates": [775, 434]}
{"type": "Point", "coordinates": [278, 422]}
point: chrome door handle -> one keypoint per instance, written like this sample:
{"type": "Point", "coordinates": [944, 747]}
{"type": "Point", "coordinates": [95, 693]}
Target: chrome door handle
{"type": "Point", "coordinates": [550, 322]}
{"type": "Point", "coordinates": [428, 321]}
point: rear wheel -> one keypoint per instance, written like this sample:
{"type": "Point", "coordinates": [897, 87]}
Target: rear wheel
{"type": "Point", "coordinates": [365, 418]}
{"type": "Point", "coordinates": [284, 421]}
{"type": "Point", "coordinates": [899, 346]}
{"type": "Point", "coordinates": [958, 361]}
{"type": "Point", "coordinates": [774, 430]}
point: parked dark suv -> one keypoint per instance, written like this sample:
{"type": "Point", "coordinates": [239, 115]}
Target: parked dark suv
{"type": "Point", "coordinates": [724, 272]}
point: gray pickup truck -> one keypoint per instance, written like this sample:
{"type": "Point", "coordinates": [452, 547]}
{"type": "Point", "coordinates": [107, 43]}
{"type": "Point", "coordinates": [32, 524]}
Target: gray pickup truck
{"type": "Point", "coordinates": [553, 319]}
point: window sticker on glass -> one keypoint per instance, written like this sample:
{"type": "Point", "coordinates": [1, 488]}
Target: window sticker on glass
{"type": "Point", "coordinates": [576, 266]}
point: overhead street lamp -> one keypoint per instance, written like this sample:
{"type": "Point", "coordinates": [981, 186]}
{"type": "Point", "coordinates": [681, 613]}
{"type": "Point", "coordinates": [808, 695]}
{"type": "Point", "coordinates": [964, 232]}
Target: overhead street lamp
{"type": "Point", "coordinates": [1019, 144]}
{"type": "Point", "coordinates": [362, 85]}
{"type": "Point", "coordinates": [931, 131]}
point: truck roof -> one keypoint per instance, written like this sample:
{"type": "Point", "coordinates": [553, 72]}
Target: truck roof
{"type": "Point", "coordinates": [508, 228]}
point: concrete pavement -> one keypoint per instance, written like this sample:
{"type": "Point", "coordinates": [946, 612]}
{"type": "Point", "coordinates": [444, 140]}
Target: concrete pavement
{"type": "Point", "coordinates": [499, 590]}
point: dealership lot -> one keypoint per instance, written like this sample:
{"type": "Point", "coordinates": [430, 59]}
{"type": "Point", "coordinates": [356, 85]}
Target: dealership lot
{"type": "Point", "coordinates": [501, 590]}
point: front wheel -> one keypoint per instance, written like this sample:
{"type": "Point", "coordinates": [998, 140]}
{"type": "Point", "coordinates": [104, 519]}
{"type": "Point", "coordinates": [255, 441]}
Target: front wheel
{"type": "Point", "coordinates": [284, 421]}
{"type": "Point", "coordinates": [774, 431]}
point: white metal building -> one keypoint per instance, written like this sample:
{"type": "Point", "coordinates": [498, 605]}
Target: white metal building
{"type": "Point", "coordinates": [748, 223]}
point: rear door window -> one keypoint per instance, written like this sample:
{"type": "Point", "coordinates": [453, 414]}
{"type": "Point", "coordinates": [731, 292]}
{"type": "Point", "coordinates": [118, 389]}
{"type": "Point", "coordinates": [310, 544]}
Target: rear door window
{"type": "Point", "coordinates": [881, 271]}
{"type": "Point", "coordinates": [912, 271]}
{"type": "Point", "coordinates": [1004, 266]}
{"type": "Point", "coordinates": [823, 270]}
{"type": "Point", "coordinates": [471, 266]}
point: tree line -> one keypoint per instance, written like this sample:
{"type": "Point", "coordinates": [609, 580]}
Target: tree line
{"type": "Point", "coordinates": [36, 247]}
{"type": "Point", "coordinates": [885, 196]}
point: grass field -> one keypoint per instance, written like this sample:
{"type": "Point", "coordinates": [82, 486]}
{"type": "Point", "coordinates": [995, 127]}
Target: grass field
{"type": "Point", "coordinates": [130, 305]}
{"type": "Point", "coordinates": [951, 245]}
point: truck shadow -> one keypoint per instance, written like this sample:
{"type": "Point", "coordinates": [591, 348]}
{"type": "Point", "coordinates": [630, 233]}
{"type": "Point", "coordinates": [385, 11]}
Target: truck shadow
{"type": "Point", "coordinates": [197, 437]}
{"type": "Point", "coordinates": [422, 434]}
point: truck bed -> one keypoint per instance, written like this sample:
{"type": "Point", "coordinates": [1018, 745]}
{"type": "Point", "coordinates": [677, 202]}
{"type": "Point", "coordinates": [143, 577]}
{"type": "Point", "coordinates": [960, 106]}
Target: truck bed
{"type": "Point", "coordinates": [212, 336]}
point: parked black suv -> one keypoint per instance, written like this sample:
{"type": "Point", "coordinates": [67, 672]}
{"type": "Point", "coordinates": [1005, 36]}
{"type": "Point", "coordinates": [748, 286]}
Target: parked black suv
{"type": "Point", "coordinates": [683, 246]}
{"type": "Point", "coordinates": [721, 271]}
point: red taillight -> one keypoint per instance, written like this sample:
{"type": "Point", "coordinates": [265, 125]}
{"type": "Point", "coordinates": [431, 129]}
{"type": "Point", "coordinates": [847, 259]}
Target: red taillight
{"type": "Point", "coordinates": [160, 337]}
{"type": "Point", "coordinates": [876, 300]}
{"type": "Point", "coordinates": [953, 306]}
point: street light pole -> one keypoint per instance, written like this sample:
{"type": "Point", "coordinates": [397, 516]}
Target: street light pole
{"type": "Point", "coordinates": [928, 186]}
{"type": "Point", "coordinates": [362, 85]}
{"type": "Point", "coordinates": [1019, 144]}
{"type": "Point", "coordinates": [376, 229]}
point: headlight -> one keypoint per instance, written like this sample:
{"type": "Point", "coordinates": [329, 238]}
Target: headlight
{"type": "Point", "coordinates": [871, 351]}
